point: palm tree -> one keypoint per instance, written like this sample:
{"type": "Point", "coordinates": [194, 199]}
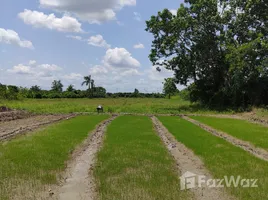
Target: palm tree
{"type": "Point", "coordinates": [87, 81]}
{"type": "Point", "coordinates": [92, 86]}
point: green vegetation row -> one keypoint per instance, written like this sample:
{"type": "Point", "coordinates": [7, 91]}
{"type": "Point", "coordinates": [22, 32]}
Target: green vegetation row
{"type": "Point", "coordinates": [222, 158]}
{"type": "Point", "coordinates": [134, 164]}
{"type": "Point", "coordinates": [30, 162]}
{"type": "Point", "coordinates": [176, 105]}
{"type": "Point", "coordinates": [244, 130]}
{"type": "Point", "coordinates": [11, 92]}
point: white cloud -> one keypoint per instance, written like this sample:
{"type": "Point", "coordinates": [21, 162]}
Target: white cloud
{"type": "Point", "coordinates": [118, 70]}
{"type": "Point", "coordinates": [93, 11]}
{"type": "Point", "coordinates": [98, 70]}
{"type": "Point", "coordinates": [43, 70]}
{"type": "Point", "coordinates": [32, 62]}
{"type": "Point", "coordinates": [41, 20]}
{"type": "Point", "coordinates": [11, 37]}
{"type": "Point", "coordinates": [75, 37]}
{"type": "Point", "coordinates": [21, 69]}
{"type": "Point", "coordinates": [120, 58]}
{"type": "Point", "coordinates": [48, 67]}
{"type": "Point", "coordinates": [138, 46]}
{"type": "Point", "coordinates": [98, 41]}
{"type": "Point", "coordinates": [73, 77]}
{"type": "Point", "coordinates": [137, 16]}
{"type": "Point", "coordinates": [173, 11]}
{"type": "Point", "coordinates": [131, 72]}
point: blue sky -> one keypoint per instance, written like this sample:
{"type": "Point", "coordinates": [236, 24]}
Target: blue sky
{"type": "Point", "coordinates": [43, 40]}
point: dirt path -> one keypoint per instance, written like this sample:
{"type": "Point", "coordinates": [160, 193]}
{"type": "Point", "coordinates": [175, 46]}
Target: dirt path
{"type": "Point", "coordinates": [79, 183]}
{"type": "Point", "coordinates": [187, 161]}
{"type": "Point", "coordinates": [10, 129]}
{"type": "Point", "coordinates": [258, 152]}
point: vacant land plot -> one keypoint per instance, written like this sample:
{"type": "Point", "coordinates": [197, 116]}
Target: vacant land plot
{"type": "Point", "coordinates": [244, 130]}
{"type": "Point", "coordinates": [134, 164]}
{"type": "Point", "coordinates": [114, 105]}
{"type": "Point", "coordinates": [221, 158]}
{"type": "Point", "coordinates": [29, 164]}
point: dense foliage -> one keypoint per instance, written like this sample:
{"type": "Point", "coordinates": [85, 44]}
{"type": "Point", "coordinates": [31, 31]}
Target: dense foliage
{"type": "Point", "coordinates": [35, 92]}
{"type": "Point", "coordinates": [169, 87]}
{"type": "Point", "coordinates": [218, 47]}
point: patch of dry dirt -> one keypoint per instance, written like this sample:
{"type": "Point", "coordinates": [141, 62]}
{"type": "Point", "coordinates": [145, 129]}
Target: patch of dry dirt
{"type": "Point", "coordinates": [187, 161]}
{"type": "Point", "coordinates": [79, 183]}
{"type": "Point", "coordinates": [13, 128]}
{"type": "Point", "coordinates": [258, 152]}
{"type": "Point", "coordinates": [10, 115]}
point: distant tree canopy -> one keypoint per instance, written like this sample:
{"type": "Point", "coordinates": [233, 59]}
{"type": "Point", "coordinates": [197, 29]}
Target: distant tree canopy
{"type": "Point", "coordinates": [219, 46]}
{"type": "Point", "coordinates": [169, 87]}
{"type": "Point", "coordinates": [13, 92]}
{"type": "Point", "coordinates": [57, 86]}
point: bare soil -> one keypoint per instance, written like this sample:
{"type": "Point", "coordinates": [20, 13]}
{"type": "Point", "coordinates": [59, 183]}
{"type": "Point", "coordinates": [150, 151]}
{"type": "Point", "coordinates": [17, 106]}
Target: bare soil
{"type": "Point", "coordinates": [9, 115]}
{"type": "Point", "coordinates": [258, 152]}
{"type": "Point", "coordinates": [79, 182]}
{"type": "Point", "coordinates": [187, 161]}
{"type": "Point", "coordinates": [10, 129]}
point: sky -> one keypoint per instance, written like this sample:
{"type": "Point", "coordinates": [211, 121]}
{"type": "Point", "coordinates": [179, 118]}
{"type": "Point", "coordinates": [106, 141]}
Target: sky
{"type": "Point", "coordinates": [46, 40]}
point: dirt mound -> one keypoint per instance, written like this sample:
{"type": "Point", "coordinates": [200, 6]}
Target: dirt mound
{"type": "Point", "coordinates": [13, 115]}
{"type": "Point", "coordinates": [4, 109]}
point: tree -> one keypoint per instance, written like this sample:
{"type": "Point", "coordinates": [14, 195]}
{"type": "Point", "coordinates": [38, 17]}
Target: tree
{"type": "Point", "coordinates": [87, 81]}
{"type": "Point", "coordinates": [220, 46]}
{"type": "Point", "coordinates": [100, 92]}
{"type": "Point", "coordinates": [136, 93]}
{"type": "Point", "coordinates": [92, 87]}
{"type": "Point", "coordinates": [57, 86]}
{"type": "Point", "coordinates": [70, 88]}
{"type": "Point", "coordinates": [169, 87]}
{"type": "Point", "coordinates": [35, 89]}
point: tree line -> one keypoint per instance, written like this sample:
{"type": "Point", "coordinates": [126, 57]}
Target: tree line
{"type": "Point", "coordinates": [14, 92]}
{"type": "Point", "coordinates": [218, 48]}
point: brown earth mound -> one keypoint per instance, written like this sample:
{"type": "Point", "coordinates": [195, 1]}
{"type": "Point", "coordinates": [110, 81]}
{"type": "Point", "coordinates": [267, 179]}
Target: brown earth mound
{"type": "Point", "coordinates": [13, 115]}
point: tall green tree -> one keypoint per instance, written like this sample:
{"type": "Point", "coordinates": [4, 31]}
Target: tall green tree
{"type": "Point", "coordinates": [92, 83]}
{"type": "Point", "coordinates": [219, 45]}
{"type": "Point", "coordinates": [87, 81]}
{"type": "Point", "coordinates": [70, 88]}
{"type": "Point", "coordinates": [169, 87]}
{"type": "Point", "coordinates": [57, 86]}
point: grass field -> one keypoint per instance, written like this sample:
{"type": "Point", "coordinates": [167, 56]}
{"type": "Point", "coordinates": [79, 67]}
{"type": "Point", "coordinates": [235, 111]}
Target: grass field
{"type": "Point", "coordinates": [134, 164]}
{"type": "Point", "coordinates": [253, 133]}
{"type": "Point", "coordinates": [222, 158]}
{"type": "Point", "coordinates": [114, 105]}
{"type": "Point", "coordinates": [29, 163]}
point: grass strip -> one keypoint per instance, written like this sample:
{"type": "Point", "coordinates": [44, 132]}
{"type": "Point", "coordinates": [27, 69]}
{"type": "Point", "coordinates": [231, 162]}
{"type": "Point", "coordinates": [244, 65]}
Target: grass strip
{"type": "Point", "coordinates": [30, 162]}
{"type": "Point", "coordinates": [134, 164]}
{"type": "Point", "coordinates": [241, 129]}
{"type": "Point", "coordinates": [175, 105]}
{"type": "Point", "coordinates": [221, 158]}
